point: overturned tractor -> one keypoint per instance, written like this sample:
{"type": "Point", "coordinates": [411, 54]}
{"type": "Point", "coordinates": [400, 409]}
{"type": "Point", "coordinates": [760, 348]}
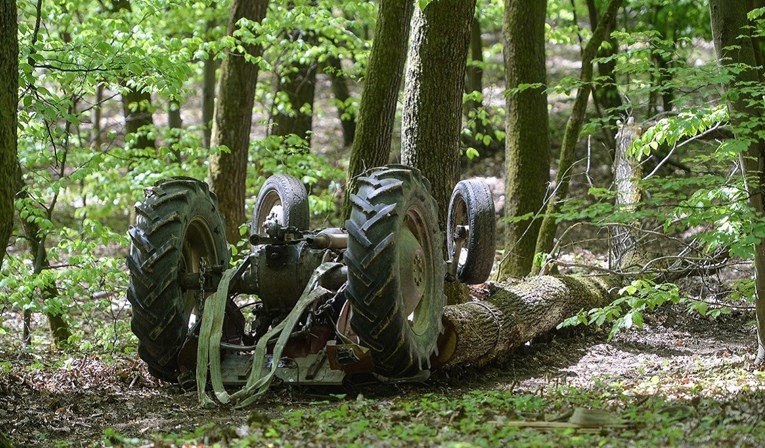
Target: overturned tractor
{"type": "Point", "coordinates": [305, 306]}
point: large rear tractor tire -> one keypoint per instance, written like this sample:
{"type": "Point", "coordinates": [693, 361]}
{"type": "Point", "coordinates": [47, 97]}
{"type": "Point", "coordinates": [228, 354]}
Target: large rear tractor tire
{"type": "Point", "coordinates": [178, 230]}
{"type": "Point", "coordinates": [395, 269]}
{"type": "Point", "coordinates": [471, 218]}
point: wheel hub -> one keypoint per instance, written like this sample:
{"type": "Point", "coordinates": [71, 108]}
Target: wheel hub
{"type": "Point", "coordinates": [413, 272]}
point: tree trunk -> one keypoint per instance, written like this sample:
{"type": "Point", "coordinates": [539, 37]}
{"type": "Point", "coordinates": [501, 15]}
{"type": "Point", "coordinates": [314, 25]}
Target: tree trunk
{"type": "Point", "coordinates": [435, 81]}
{"type": "Point", "coordinates": [209, 66]}
{"type": "Point", "coordinates": [623, 248]}
{"type": "Point", "coordinates": [136, 104]}
{"type": "Point", "coordinates": [480, 332]}
{"type": "Point", "coordinates": [175, 124]}
{"type": "Point", "coordinates": [432, 116]}
{"type": "Point", "coordinates": [733, 46]}
{"type": "Point", "coordinates": [59, 328]}
{"type": "Point", "coordinates": [137, 108]}
{"type": "Point", "coordinates": [379, 97]}
{"type": "Point", "coordinates": [342, 95]}
{"type": "Point", "coordinates": [474, 78]}
{"type": "Point", "coordinates": [95, 118]}
{"type": "Point", "coordinates": [606, 93]}
{"type": "Point", "coordinates": [527, 140]}
{"type": "Point", "coordinates": [574, 124]}
{"type": "Point", "coordinates": [299, 85]}
{"type": "Point", "coordinates": [233, 121]}
{"type": "Point", "coordinates": [174, 119]}
{"type": "Point", "coordinates": [9, 99]}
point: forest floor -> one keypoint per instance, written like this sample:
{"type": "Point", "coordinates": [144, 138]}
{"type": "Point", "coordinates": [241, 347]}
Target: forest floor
{"type": "Point", "coordinates": [683, 380]}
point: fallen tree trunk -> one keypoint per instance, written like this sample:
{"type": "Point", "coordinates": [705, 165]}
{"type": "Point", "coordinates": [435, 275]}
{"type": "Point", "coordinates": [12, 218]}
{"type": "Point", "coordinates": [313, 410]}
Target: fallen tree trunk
{"type": "Point", "coordinates": [479, 332]}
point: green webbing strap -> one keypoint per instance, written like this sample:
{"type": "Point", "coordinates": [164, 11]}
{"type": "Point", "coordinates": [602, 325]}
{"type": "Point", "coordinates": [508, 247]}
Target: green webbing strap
{"type": "Point", "coordinates": [209, 342]}
{"type": "Point", "coordinates": [258, 382]}
{"type": "Point", "coordinates": [208, 349]}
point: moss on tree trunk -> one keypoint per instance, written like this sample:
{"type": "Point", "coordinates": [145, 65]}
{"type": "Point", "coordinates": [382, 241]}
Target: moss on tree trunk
{"type": "Point", "coordinates": [379, 96]}
{"type": "Point", "coordinates": [9, 98]}
{"type": "Point", "coordinates": [733, 45]}
{"type": "Point", "coordinates": [527, 139]}
{"type": "Point", "coordinates": [233, 121]}
{"type": "Point", "coordinates": [435, 81]}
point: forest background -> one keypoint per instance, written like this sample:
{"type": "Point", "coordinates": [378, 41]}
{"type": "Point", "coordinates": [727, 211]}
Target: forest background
{"type": "Point", "coordinates": [108, 97]}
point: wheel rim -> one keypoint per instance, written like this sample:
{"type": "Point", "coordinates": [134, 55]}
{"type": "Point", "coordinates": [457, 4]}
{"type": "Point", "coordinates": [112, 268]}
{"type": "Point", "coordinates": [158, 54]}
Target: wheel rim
{"type": "Point", "coordinates": [198, 248]}
{"type": "Point", "coordinates": [459, 218]}
{"type": "Point", "coordinates": [416, 270]}
{"type": "Point", "coordinates": [270, 211]}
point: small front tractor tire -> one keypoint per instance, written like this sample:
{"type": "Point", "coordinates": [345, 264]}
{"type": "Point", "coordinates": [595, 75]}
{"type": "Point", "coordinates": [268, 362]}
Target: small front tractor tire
{"type": "Point", "coordinates": [471, 209]}
{"type": "Point", "coordinates": [396, 269]}
{"type": "Point", "coordinates": [282, 199]}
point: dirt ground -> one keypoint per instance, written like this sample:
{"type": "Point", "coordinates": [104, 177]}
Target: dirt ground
{"type": "Point", "coordinates": [71, 401]}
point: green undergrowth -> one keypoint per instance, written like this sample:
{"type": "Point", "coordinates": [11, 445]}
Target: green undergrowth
{"type": "Point", "coordinates": [489, 418]}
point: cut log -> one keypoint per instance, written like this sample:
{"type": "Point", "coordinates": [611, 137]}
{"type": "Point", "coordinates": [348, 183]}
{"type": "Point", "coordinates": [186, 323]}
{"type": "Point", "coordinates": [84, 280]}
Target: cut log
{"type": "Point", "coordinates": [479, 332]}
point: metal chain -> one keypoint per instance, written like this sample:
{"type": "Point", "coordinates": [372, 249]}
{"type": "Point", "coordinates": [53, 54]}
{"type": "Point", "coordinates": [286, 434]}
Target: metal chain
{"type": "Point", "coordinates": [321, 309]}
{"type": "Point", "coordinates": [202, 272]}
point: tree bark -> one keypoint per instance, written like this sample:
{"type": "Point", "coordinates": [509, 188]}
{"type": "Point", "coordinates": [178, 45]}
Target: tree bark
{"type": "Point", "coordinates": [59, 327]}
{"type": "Point", "coordinates": [138, 111]}
{"type": "Point", "coordinates": [342, 95]}
{"type": "Point", "coordinates": [175, 125]}
{"type": "Point", "coordinates": [480, 332]}
{"type": "Point", "coordinates": [209, 66]}
{"type": "Point", "coordinates": [95, 118]}
{"type": "Point", "coordinates": [299, 85]}
{"type": "Point", "coordinates": [527, 140]}
{"type": "Point", "coordinates": [623, 248]}
{"type": "Point", "coordinates": [574, 124]}
{"type": "Point", "coordinates": [9, 99]}
{"type": "Point", "coordinates": [606, 93]}
{"type": "Point", "coordinates": [734, 48]}
{"type": "Point", "coordinates": [233, 121]}
{"type": "Point", "coordinates": [435, 81]}
{"type": "Point", "coordinates": [379, 96]}
{"type": "Point", "coordinates": [474, 78]}
{"type": "Point", "coordinates": [136, 104]}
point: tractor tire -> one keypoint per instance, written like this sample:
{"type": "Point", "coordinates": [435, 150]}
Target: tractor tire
{"type": "Point", "coordinates": [395, 269]}
{"type": "Point", "coordinates": [177, 226]}
{"type": "Point", "coordinates": [283, 199]}
{"type": "Point", "coordinates": [472, 206]}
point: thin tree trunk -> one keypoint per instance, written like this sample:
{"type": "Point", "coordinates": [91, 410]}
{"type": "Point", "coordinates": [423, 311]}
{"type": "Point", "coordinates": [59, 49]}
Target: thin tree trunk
{"type": "Point", "coordinates": [59, 328]}
{"type": "Point", "coordinates": [175, 124]}
{"type": "Point", "coordinates": [138, 111]}
{"type": "Point", "coordinates": [527, 140]}
{"type": "Point", "coordinates": [233, 121]}
{"type": "Point", "coordinates": [136, 104]}
{"type": "Point", "coordinates": [474, 78]}
{"type": "Point", "coordinates": [300, 86]}
{"type": "Point", "coordinates": [734, 48]}
{"type": "Point", "coordinates": [571, 135]}
{"type": "Point", "coordinates": [664, 81]}
{"type": "Point", "coordinates": [480, 332]}
{"type": "Point", "coordinates": [9, 99]}
{"type": "Point", "coordinates": [342, 95]}
{"type": "Point", "coordinates": [209, 66]}
{"type": "Point", "coordinates": [435, 81]}
{"type": "Point", "coordinates": [379, 96]}
{"type": "Point", "coordinates": [95, 118]}
{"type": "Point", "coordinates": [605, 91]}
{"type": "Point", "coordinates": [623, 247]}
